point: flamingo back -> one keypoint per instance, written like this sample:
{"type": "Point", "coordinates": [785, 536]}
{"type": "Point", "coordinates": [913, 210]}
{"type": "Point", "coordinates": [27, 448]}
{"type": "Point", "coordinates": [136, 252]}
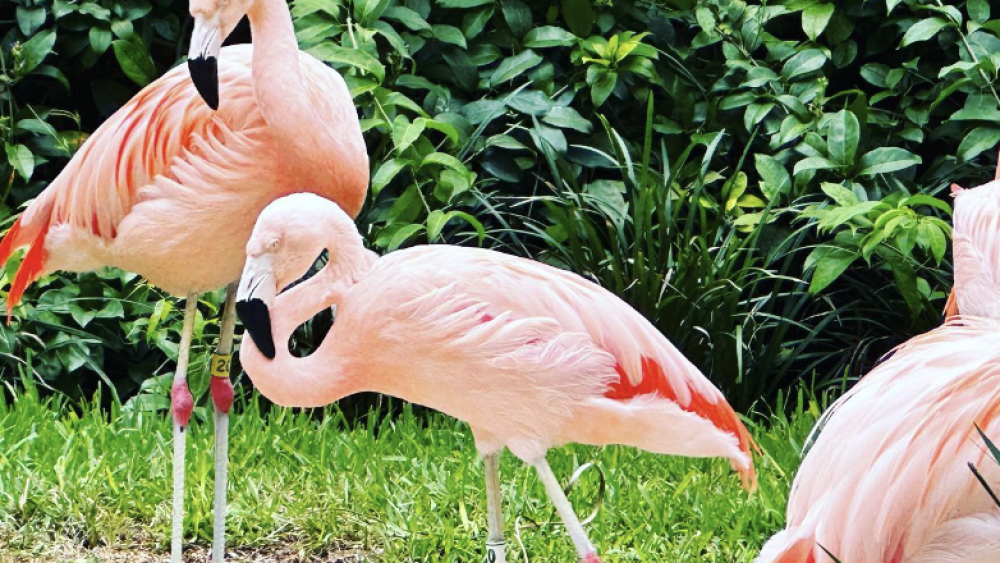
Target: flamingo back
{"type": "Point", "coordinates": [890, 466]}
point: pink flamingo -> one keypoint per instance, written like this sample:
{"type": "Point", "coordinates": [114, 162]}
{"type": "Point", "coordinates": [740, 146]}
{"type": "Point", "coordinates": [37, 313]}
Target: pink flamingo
{"type": "Point", "coordinates": [530, 356]}
{"type": "Point", "coordinates": [887, 480]}
{"type": "Point", "coordinates": [169, 188]}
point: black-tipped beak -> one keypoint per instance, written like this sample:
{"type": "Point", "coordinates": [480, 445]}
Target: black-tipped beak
{"type": "Point", "coordinates": [254, 315]}
{"type": "Point", "coordinates": [205, 75]}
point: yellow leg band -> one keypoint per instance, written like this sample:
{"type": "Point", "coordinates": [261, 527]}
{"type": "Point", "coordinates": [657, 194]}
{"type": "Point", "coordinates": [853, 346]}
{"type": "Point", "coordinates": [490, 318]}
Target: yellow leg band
{"type": "Point", "coordinates": [219, 365]}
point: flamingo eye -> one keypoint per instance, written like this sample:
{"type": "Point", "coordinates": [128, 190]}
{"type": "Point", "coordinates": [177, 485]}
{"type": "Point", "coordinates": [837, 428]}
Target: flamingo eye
{"type": "Point", "coordinates": [273, 245]}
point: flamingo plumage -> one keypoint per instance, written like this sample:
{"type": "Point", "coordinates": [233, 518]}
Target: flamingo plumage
{"type": "Point", "coordinates": [530, 356]}
{"type": "Point", "coordinates": [887, 479]}
{"type": "Point", "coordinates": [169, 186]}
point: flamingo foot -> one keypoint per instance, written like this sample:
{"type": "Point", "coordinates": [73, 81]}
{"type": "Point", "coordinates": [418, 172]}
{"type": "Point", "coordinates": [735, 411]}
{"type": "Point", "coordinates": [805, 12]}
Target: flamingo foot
{"type": "Point", "coordinates": [590, 558]}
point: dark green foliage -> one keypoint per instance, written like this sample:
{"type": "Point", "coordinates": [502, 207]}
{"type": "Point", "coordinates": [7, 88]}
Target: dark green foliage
{"type": "Point", "coordinates": [765, 183]}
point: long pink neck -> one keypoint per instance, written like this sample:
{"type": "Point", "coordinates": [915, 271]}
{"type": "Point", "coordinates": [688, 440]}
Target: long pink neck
{"type": "Point", "coordinates": [320, 378]}
{"type": "Point", "coordinates": [281, 93]}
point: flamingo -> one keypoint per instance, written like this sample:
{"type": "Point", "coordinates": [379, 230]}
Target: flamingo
{"type": "Point", "coordinates": [170, 185]}
{"type": "Point", "coordinates": [887, 480]}
{"type": "Point", "coordinates": [531, 357]}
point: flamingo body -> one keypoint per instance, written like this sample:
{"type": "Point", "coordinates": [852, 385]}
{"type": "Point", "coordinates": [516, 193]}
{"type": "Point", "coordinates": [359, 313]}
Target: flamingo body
{"type": "Point", "coordinates": [530, 356]}
{"type": "Point", "coordinates": [169, 188]}
{"type": "Point", "coordinates": [887, 480]}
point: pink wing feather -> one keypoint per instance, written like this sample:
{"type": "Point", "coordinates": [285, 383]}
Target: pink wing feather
{"type": "Point", "coordinates": [141, 141]}
{"type": "Point", "coordinates": [647, 364]}
{"type": "Point", "coordinates": [890, 466]}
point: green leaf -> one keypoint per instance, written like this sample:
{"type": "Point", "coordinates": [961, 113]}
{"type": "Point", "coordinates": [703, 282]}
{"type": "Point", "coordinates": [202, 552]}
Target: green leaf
{"type": "Point", "coordinates": [437, 220]}
{"type": "Point", "coordinates": [923, 30]}
{"type": "Point", "coordinates": [803, 62]}
{"type": "Point", "coordinates": [929, 200]}
{"type": "Point", "coordinates": [935, 239]}
{"type": "Point", "coordinates": [517, 15]}
{"type": "Point", "coordinates": [979, 11]}
{"type": "Point", "coordinates": [445, 160]}
{"type": "Point", "coordinates": [549, 36]}
{"type": "Point", "coordinates": [21, 159]}
{"type": "Point", "coordinates": [774, 177]}
{"type": "Point", "coordinates": [407, 17]}
{"type": "Point", "coordinates": [94, 9]}
{"type": "Point", "coordinates": [404, 133]}
{"type": "Point", "coordinates": [394, 39]}
{"type": "Point", "coordinates": [844, 135]}
{"type": "Point", "coordinates": [333, 53]}
{"type": "Point", "coordinates": [135, 61]}
{"type": "Point", "coordinates": [813, 163]}
{"type": "Point", "coordinates": [977, 141]}
{"type": "Point", "coordinates": [473, 23]}
{"type": "Point", "coordinates": [603, 87]}
{"type": "Point", "coordinates": [567, 118]}
{"type": "Point", "coordinates": [368, 12]}
{"type": "Point", "coordinates": [100, 39]}
{"type": "Point", "coordinates": [513, 67]}
{"type": "Point", "coordinates": [815, 18]}
{"type": "Point", "coordinates": [30, 19]}
{"type": "Point", "coordinates": [840, 194]}
{"type": "Point", "coordinates": [386, 172]}
{"type": "Point", "coordinates": [579, 16]}
{"type": "Point", "coordinates": [462, 3]}
{"type": "Point", "coordinates": [401, 236]}
{"type": "Point", "coordinates": [887, 159]}
{"type": "Point", "coordinates": [37, 48]}
{"type": "Point", "coordinates": [828, 263]}
{"type": "Point", "coordinates": [449, 34]}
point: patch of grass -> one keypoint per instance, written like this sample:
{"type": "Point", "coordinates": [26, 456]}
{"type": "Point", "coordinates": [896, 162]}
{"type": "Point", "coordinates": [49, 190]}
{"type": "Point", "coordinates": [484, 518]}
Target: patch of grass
{"type": "Point", "coordinates": [406, 487]}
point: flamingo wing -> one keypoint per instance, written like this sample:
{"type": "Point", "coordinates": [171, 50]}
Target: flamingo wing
{"type": "Point", "coordinates": [166, 123]}
{"type": "Point", "coordinates": [891, 464]}
{"type": "Point", "coordinates": [646, 365]}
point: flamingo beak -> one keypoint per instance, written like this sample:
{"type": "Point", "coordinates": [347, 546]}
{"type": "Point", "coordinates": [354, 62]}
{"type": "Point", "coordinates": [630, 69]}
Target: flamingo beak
{"type": "Point", "coordinates": [253, 300]}
{"type": "Point", "coordinates": [203, 57]}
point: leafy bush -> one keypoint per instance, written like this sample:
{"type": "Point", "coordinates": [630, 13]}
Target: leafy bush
{"type": "Point", "coordinates": [762, 181]}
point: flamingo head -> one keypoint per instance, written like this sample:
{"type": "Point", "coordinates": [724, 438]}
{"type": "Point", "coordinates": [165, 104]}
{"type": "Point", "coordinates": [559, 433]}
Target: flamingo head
{"type": "Point", "coordinates": [214, 20]}
{"type": "Point", "coordinates": [290, 233]}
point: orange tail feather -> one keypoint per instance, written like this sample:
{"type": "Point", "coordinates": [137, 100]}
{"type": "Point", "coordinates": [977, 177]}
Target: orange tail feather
{"type": "Point", "coordinates": [31, 266]}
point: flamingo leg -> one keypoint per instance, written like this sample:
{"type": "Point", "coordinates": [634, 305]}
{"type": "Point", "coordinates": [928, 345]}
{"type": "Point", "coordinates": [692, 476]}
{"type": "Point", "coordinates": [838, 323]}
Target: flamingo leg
{"type": "Point", "coordinates": [584, 548]}
{"type": "Point", "coordinates": [495, 548]}
{"type": "Point", "coordinates": [181, 405]}
{"type": "Point", "coordinates": [222, 398]}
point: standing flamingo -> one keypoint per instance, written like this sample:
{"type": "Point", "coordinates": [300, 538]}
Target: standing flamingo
{"type": "Point", "coordinates": [887, 479]}
{"type": "Point", "coordinates": [169, 188]}
{"type": "Point", "coordinates": [530, 356]}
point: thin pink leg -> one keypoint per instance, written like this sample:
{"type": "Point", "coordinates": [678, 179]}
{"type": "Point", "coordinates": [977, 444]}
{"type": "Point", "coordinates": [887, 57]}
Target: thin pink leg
{"type": "Point", "coordinates": [584, 548]}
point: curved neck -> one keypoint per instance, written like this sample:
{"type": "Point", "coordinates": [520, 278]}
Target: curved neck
{"type": "Point", "coordinates": [281, 93]}
{"type": "Point", "coordinates": [329, 373]}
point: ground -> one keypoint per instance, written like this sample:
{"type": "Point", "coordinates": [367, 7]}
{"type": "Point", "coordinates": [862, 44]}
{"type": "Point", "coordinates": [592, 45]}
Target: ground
{"type": "Point", "coordinates": [81, 484]}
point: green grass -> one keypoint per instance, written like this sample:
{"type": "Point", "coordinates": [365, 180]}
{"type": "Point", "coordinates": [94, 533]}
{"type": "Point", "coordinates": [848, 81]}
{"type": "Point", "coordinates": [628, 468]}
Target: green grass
{"type": "Point", "coordinates": [401, 488]}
